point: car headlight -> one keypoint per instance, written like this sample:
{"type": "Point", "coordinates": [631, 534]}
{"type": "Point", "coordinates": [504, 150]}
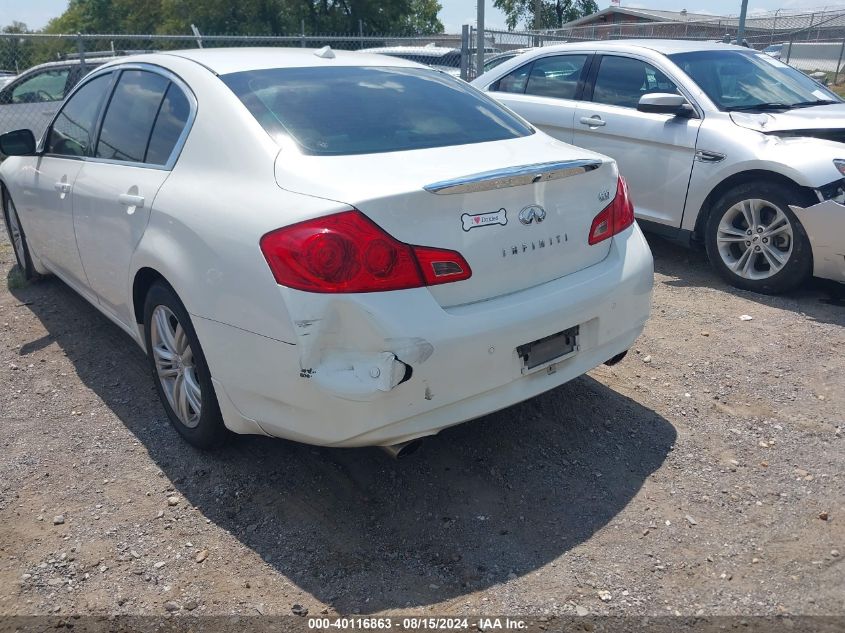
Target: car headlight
{"type": "Point", "coordinates": [839, 163]}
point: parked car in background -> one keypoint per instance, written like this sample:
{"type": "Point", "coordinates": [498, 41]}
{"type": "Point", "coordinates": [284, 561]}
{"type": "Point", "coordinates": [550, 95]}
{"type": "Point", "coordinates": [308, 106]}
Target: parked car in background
{"type": "Point", "coordinates": [440, 57]}
{"type": "Point", "coordinates": [721, 145]}
{"type": "Point", "coordinates": [494, 60]}
{"type": "Point", "coordinates": [30, 99]}
{"type": "Point", "coordinates": [391, 253]}
{"type": "Point", "coordinates": [775, 50]}
{"type": "Point", "coordinates": [6, 76]}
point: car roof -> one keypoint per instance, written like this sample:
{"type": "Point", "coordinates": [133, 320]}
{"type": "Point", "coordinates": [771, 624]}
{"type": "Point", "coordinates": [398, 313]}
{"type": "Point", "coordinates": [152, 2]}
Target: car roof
{"type": "Point", "coordinates": [433, 51]}
{"type": "Point", "coordinates": [68, 62]}
{"type": "Point", "coordinates": [666, 47]}
{"type": "Point", "coordinates": [231, 60]}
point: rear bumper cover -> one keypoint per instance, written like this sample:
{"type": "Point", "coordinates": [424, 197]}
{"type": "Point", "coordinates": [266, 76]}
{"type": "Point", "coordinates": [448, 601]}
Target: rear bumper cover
{"type": "Point", "coordinates": [345, 383]}
{"type": "Point", "coordinates": [825, 226]}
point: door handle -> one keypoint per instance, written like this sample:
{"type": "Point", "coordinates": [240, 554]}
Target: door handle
{"type": "Point", "coordinates": [48, 112]}
{"type": "Point", "coordinates": [593, 121]}
{"type": "Point", "coordinates": [62, 187]}
{"type": "Point", "coordinates": [129, 200]}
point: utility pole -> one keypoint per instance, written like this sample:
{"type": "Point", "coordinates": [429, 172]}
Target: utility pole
{"type": "Point", "coordinates": [740, 33]}
{"type": "Point", "coordinates": [479, 40]}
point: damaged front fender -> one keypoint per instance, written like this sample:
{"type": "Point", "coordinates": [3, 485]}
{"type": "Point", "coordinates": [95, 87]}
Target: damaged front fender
{"type": "Point", "coordinates": [824, 224]}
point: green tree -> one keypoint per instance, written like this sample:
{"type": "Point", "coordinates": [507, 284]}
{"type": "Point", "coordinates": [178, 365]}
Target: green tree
{"type": "Point", "coordinates": [249, 17]}
{"type": "Point", "coordinates": [15, 53]}
{"type": "Point", "coordinates": [553, 13]}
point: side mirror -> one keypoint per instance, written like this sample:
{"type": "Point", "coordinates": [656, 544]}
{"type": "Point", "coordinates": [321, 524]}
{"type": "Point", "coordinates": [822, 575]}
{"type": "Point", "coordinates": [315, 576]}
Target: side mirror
{"type": "Point", "coordinates": [17, 143]}
{"type": "Point", "coordinates": [665, 103]}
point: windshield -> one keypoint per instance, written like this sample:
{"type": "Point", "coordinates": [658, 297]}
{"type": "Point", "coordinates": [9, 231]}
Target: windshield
{"type": "Point", "coordinates": [364, 110]}
{"type": "Point", "coordinates": [740, 80]}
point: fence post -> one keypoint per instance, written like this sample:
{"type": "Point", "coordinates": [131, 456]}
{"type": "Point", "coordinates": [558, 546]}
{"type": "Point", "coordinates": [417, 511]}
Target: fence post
{"type": "Point", "coordinates": [465, 52]}
{"type": "Point", "coordinates": [302, 33]}
{"type": "Point", "coordinates": [80, 48]}
{"type": "Point", "coordinates": [361, 32]}
{"type": "Point", "coordinates": [789, 49]}
{"type": "Point", "coordinates": [197, 35]}
{"type": "Point", "coordinates": [839, 63]}
{"type": "Point", "coordinates": [479, 38]}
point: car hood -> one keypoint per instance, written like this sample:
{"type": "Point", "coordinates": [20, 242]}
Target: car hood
{"type": "Point", "coordinates": [819, 118]}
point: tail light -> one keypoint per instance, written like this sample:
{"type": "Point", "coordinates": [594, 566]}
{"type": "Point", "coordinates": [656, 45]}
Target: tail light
{"type": "Point", "coordinates": [614, 218]}
{"type": "Point", "coordinates": [348, 252]}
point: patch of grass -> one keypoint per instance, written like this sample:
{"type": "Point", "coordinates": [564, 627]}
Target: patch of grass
{"type": "Point", "coordinates": [15, 280]}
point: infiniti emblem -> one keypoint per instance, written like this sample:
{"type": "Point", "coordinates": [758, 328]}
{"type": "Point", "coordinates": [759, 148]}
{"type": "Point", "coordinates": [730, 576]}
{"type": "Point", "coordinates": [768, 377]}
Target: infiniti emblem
{"type": "Point", "coordinates": [532, 213]}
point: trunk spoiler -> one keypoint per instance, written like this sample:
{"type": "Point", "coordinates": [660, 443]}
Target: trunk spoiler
{"type": "Point", "coordinates": [513, 176]}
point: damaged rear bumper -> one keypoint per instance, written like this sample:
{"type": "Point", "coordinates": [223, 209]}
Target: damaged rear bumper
{"type": "Point", "coordinates": [824, 224]}
{"type": "Point", "coordinates": [384, 368]}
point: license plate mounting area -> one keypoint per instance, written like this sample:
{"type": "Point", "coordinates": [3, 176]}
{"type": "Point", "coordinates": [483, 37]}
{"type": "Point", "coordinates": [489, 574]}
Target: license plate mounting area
{"type": "Point", "coordinates": [548, 351]}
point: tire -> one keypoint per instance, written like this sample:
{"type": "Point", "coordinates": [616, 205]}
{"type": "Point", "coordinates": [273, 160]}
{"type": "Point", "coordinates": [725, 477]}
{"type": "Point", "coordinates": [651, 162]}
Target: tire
{"type": "Point", "coordinates": [755, 242]}
{"type": "Point", "coordinates": [180, 371]}
{"type": "Point", "coordinates": [18, 238]}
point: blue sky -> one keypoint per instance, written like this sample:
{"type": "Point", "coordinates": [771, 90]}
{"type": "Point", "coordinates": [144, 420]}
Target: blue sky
{"type": "Point", "coordinates": [36, 13]}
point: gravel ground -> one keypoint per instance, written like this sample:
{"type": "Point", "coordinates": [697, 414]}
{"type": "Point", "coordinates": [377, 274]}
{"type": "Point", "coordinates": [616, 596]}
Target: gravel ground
{"type": "Point", "coordinates": [705, 474]}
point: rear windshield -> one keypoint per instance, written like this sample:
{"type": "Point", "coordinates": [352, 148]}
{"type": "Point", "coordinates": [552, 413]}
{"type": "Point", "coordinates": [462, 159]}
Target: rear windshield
{"type": "Point", "coordinates": [366, 110]}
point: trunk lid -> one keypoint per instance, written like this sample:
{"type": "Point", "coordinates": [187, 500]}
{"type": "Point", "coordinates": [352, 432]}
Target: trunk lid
{"type": "Point", "coordinates": [460, 198]}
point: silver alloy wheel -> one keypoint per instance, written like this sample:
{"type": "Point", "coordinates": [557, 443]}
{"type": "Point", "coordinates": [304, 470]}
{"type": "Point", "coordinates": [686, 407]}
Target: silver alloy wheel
{"type": "Point", "coordinates": [174, 362]}
{"type": "Point", "coordinates": [755, 239]}
{"type": "Point", "coordinates": [17, 235]}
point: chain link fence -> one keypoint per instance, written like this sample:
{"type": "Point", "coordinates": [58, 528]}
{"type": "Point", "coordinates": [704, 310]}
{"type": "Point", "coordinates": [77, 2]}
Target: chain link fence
{"type": "Point", "coordinates": [37, 70]}
{"type": "Point", "coordinates": [813, 41]}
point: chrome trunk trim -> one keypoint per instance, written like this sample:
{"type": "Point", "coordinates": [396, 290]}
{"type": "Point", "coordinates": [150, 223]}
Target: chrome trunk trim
{"type": "Point", "coordinates": [513, 176]}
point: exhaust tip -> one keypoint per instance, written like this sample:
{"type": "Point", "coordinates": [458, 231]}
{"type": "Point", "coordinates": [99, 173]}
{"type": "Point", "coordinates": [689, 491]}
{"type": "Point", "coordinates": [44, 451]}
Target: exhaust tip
{"type": "Point", "coordinates": [403, 449]}
{"type": "Point", "coordinates": [612, 361]}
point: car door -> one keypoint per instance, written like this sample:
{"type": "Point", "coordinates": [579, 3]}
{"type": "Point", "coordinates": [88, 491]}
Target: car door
{"type": "Point", "coordinates": [545, 92]}
{"type": "Point", "coordinates": [46, 189]}
{"type": "Point", "coordinates": [142, 124]}
{"type": "Point", "coordinates": [655, 152]}
{"type": "Point", "coordinates": [29, 102]}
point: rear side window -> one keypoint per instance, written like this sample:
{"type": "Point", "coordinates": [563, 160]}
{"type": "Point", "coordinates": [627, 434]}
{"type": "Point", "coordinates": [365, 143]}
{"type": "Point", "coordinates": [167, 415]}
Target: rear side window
{"type": "Point", "coordinates": [131, 115]}
{"type": "Point", "coordinates": [556, 76]}
{"type": "Point", "coordinates": [171, 120]}
{"type": "Point", "coordinates": [361, 110]}
{"type": "Point", "coordinates": [72, 132]}
{"type": "Point", "coordinates": [513, 82]}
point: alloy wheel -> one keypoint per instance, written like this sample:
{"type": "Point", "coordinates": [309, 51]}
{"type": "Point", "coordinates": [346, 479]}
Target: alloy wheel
{"type": "Point", "coordinates": [174, 362]}
{"type": "Point", "coordinates": [755, 239]}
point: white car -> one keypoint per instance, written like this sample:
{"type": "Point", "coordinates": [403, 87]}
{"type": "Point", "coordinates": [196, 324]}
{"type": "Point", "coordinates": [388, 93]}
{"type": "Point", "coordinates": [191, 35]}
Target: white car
{"type": "Point", "coordinates": [333, 248]}
{"type": "Point", "coordinates": [720, 145]}
{"type": "Point", "coordinates": [442, 58]}
{"type": "Point", "coordinates": [31, 99]}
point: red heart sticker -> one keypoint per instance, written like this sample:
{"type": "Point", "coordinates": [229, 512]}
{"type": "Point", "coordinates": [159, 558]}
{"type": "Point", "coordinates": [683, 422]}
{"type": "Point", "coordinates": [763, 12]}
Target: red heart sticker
{"type": "Point", "coordinates": [477, 219]}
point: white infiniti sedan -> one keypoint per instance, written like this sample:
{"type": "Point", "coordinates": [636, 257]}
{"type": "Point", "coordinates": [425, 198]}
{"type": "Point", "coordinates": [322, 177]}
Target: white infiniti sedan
{"type": "Point", "coordinates": [335, 248]}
